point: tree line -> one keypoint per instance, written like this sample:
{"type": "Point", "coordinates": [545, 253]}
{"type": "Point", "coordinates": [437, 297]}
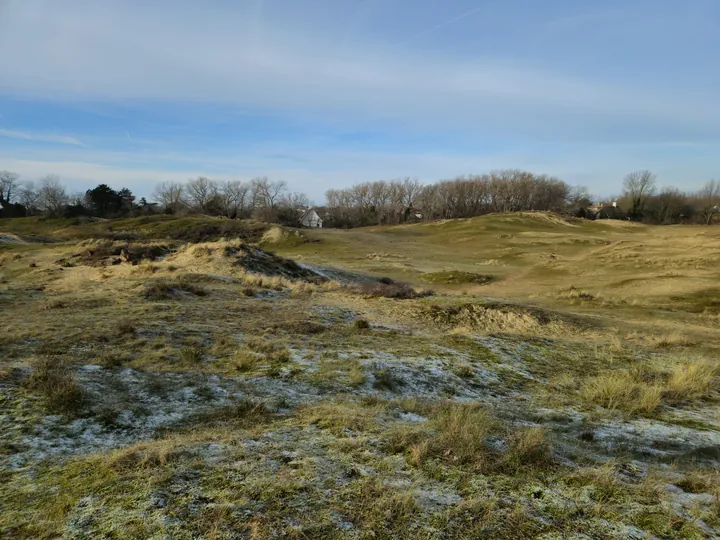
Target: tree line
{"type": "Point", "coordinates": [399, 201]}
{"type": "Point", "coordinates": [369, 203]}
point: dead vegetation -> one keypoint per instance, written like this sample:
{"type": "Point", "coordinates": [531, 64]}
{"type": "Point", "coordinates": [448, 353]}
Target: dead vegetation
{"type": "Point", "coordinates": [53, 379]}
{"type": "Point", "coordinates": [163, 289]}
{"type": "Point", "coordinates": [336, 410]}
{"type": "Point", "coordinates": [393, 290]}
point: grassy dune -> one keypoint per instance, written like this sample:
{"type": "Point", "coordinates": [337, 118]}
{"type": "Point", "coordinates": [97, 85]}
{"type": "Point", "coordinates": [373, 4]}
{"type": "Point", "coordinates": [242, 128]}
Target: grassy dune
{"type": "Point", "coordinates": [533, 377]}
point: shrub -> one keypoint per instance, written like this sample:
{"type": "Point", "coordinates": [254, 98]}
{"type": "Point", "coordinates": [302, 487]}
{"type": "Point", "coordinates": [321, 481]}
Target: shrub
{"type": "Point", "coordinates": [456, 277]}
{"type": "Point", "coordinates": [361, 324]}
{"type": "Point", "coordinates": [386, 380]}
{"type": "Point", "coordinates": [56, 382]}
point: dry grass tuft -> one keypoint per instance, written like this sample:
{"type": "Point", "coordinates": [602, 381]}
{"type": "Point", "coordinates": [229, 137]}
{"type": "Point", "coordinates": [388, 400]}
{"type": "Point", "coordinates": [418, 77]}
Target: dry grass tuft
{"type": "Point", "coordinates": [618, 391]}
{"type": "Point", "coordinates": [462, 429]}
{"type": "Point", "coordinates": [528, 447]}
{"type": "Point", "coordinates": [385, 379]}
{"type": "Point", "coordinates": [143, 456]}
{"type": "Point", "coordinates": [192, 355]}
{"type": "Point", "coordinates": [126, 327]}
{"type": "Point", "coordinates": [690, 381]}
{"type": "Point", "coordinates": [361, 325]}
{"type": "Point", "coordinates": [163, 289]}
{"type": "Point", "coordinates": [55, 381]}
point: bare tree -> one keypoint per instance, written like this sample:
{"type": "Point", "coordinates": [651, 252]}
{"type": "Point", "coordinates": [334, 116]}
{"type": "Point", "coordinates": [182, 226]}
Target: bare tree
{"type": "Point", "coordinates": [201, 193]}
{"type": "Point", "coordinates": [52, 195]}
{"type": "Point", "coordinates": [639, 186]}
{"type": "Point", "coordinates": [29, 197]}
{"type": "Point", "coordinates": [233, 197]}
{"type": "Point", "coordinates": [296, 200]}
{"type": "Point", "coordinates": [709, 197]}
{"type": "Point", "coordinates": [8, 186]}
{"type": "Point", "coordinates": [266, 193]}
{"type": "Point", "coordinates": [170, 195]}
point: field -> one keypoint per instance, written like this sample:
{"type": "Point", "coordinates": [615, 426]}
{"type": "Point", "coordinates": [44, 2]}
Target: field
{"type": "Point", "coordinates": [509, 376]}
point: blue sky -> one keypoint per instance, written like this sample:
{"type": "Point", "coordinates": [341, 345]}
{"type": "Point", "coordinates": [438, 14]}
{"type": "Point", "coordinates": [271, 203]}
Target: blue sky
{"type": "Point", "coordinates": [326, 93]}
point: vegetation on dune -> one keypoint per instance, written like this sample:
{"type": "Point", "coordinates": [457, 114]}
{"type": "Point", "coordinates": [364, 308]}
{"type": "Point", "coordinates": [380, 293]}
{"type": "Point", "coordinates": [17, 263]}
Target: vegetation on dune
{"type": "Point", "coordinates": [214, 389]}
{"type": "Point", "coordinates": [455, 277]}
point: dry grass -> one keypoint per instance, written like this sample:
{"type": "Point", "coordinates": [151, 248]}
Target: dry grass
{"type": "Point", "coordinates": [397, 291]}
{"type": "Point", "coordinates": [618, 391]}
{"type": "Point", "coordinates": [57, 384]}
{"type": "Point", "coordinates": [143, 456]}
{"type": "Point", "coordinates": [527, 447]}
{"type": "Point", "coordinates": [165, 290]}
{"type": "Point", "coordinates": [462, 430]}
{"type": "Point", "coordinates": [192, 355]}
{"type": "Point", "coordinates": [690, 381]}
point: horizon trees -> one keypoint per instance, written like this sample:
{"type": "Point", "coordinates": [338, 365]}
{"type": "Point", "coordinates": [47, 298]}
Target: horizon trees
{"type": "Point", "coordinates": [366, 203]}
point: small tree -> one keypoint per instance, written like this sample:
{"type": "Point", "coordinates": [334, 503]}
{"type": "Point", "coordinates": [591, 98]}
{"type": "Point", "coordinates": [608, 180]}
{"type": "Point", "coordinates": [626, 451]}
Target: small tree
{"type": "Point", "coordinates": [638, 187]}
{"type": "Point", "coordinates": [53, 196]}
{"type": "Point", "coordinates": [8, 186]}
{"type": "Point", "coordinates": [103, 201]}
{"type": "Point", "coordinates": [170, 196]}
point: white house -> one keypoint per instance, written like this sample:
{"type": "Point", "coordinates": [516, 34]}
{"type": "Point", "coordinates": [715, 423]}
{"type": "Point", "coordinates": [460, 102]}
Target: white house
{"type": "Point", "coordinates": [311, 219]}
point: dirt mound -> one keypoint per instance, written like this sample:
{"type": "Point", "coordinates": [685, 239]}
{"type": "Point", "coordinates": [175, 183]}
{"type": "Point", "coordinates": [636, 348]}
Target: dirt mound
{"type": "Point", "coordinates": [257, 261]}
{"type": "Point", "coordinates": [499, 317]}
{"type": "Point", "coordinates": [455, 277]}
{"type": "Point", "coordinates": [113, 253]}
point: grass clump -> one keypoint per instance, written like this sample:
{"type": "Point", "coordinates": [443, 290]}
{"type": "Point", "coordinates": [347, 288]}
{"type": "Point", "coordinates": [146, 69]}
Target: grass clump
{"type": "Point", "coordinates": [126, 327]}
{"type": "Point", "coordinates": [356, 377]}
{"type": "Point", "coordinates": [689, 381]}
{"type": "Point", "coordinates": [527, 447]}
{"type": "Point", "coordinates": [57, 384]}
{"type": "Point", "coordinates": [385, 379]}
{"type": "Point", "coordinates": [192, 355]}
{"type": "Point", "coordinates": [164, 290]}
{"type": "Point", "coordinates": [361, 325]}
{"type": "Point", "coordinates": [110, 360]}
{"type": "Point", "coordinates": [462, 430]}
{"type": "Point", "coordinates": [246, 412]}
{"type": "Point", "coordinates": [619, 391]}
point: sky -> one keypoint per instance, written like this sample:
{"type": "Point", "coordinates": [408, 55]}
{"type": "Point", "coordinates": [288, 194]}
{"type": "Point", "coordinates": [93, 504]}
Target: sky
{"type": "Point", "coordinates": [327, 93]}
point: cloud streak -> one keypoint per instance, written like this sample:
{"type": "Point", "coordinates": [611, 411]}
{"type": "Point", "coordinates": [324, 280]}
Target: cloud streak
{"type": "Point", "coordinates": [40, 137]}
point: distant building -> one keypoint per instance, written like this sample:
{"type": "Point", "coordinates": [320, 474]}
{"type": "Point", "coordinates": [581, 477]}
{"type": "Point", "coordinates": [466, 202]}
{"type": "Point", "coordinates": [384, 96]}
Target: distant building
{"type": "Point", "coordinates": [411, 214]}
{"type": "Point", "coordinates": [310, 218]}
{"type": "Point", "coordinates": [606, 211]}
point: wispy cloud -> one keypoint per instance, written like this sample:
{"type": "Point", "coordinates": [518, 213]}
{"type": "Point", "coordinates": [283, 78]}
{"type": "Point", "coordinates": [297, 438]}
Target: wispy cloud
{"type": "Point", "coordinates": [447, 22]}
{"type": "Point", "coordinates": [40, 137]}
{"type": "Point", "coordinates": [105, 53]}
